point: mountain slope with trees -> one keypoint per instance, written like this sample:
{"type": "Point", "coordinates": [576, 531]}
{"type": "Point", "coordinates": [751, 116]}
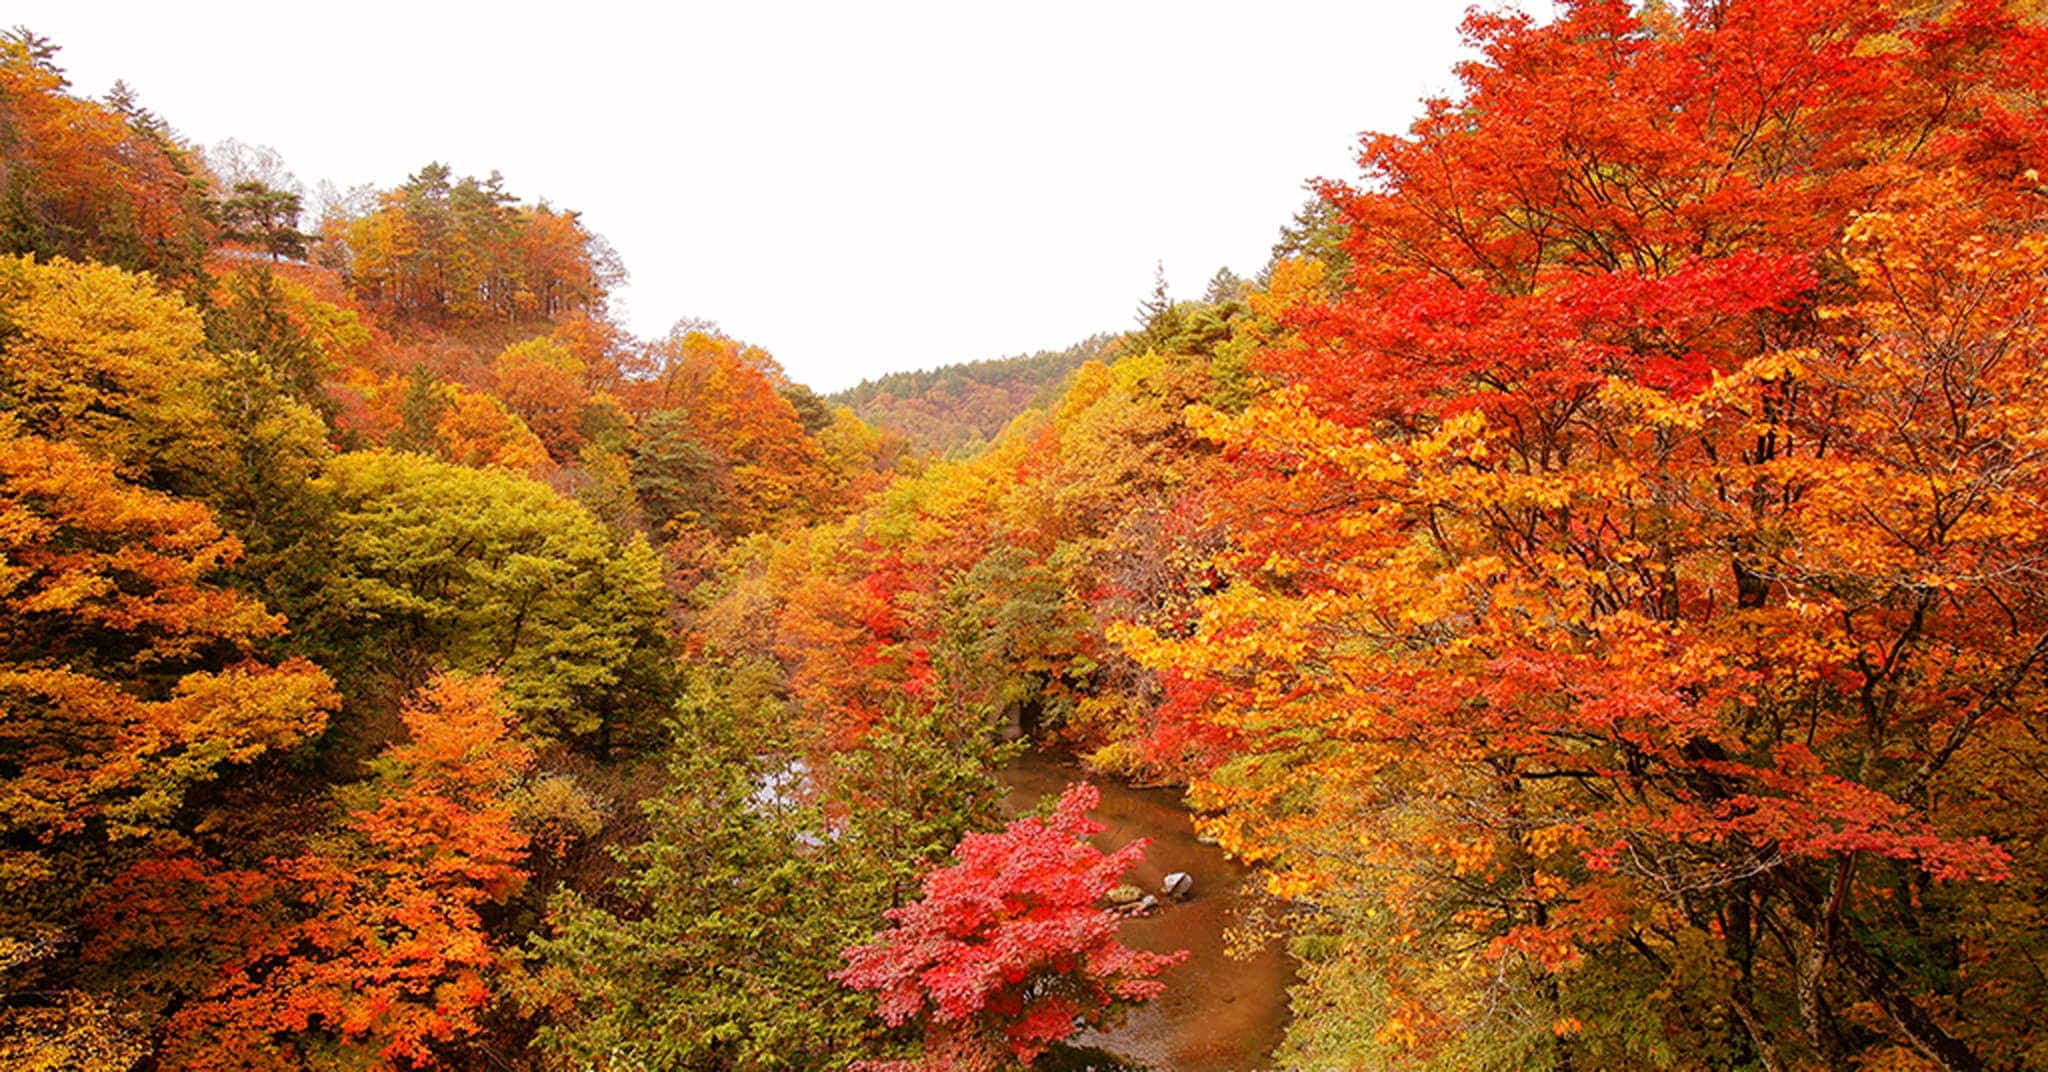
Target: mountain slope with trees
{"type": "Point", "coordinates": [1591, 575]}
{"type": "Point", "coordinates": [958, 409]}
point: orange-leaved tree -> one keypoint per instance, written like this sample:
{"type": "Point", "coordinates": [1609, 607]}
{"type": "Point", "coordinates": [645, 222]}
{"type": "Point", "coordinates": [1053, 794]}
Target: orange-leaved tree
{"type": "Point", "coordinates": [110, 625]}
{"type": "Point", "coordinates": [384, 958]}
{"type": "Point", "coordinates": [1631, 640]}
{"type": "Point", "coordinates": [92, 180]}
{"type": "Point", "coordinates": [127, 681]}
{"type": "Point", "coordinates": [737, 458]}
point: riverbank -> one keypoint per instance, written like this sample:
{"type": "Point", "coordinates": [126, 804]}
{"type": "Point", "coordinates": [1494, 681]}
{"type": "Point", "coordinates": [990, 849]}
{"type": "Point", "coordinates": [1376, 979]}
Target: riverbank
{"type": "Point", "coordinates": [1220, 1013]}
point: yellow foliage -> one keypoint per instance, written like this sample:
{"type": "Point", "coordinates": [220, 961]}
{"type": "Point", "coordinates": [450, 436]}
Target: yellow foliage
{"type": "Point", "coordinates": [102, 358]}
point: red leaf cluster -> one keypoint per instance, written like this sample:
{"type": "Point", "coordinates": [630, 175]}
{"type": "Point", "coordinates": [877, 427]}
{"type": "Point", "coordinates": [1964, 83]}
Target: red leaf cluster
{"type": "Point", "coordinates": [1011, 942]}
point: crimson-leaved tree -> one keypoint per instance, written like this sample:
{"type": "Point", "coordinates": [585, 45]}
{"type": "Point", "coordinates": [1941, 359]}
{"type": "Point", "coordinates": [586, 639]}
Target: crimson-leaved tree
{"type": "Point", "coordinates": [1010, 950]}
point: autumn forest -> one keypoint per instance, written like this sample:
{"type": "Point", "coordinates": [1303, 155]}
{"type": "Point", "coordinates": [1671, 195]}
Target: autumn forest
{"type": "Point", "coordinates": [1594, 576]}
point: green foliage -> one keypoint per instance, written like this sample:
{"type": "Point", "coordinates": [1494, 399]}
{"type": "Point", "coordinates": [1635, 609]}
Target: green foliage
{"type": "Point", "coordinates": [677, 480]}
{"type": "Point", "coordinates": [421, 565]}
{"type": "Point", "coordinates": [264, 218]}
{"type": "Point", "coordinates": [555, 812]}
{"type": "Point", "coordinates": [1316, 231]}
{"type": "Point", "coordinates": [419, 414]}
{"type": "Point", "coordinates": [265, 447]}
{"type": "Point", "coordinates": [913, 785]}
{"type": "Point", "coordinates": [1011, 632]}
{"type": "Point", "coordinates": [813, 412]}
{"type": "Point", "coordinates": [256, 312]}
{"type": "Point", "coordinates": [1224, 286]}
{"type": "Point", "coordinates": [1197, 328]}
{"type": "Point", "coordinates": [607, 487]}
{"type": "Point", "coordinates": [759, 869]}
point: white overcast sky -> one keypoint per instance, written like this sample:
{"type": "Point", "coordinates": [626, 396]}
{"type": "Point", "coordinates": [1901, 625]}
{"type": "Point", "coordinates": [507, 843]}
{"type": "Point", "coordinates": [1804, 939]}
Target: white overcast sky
{"type": "Point", "coordinates": [858, 187]}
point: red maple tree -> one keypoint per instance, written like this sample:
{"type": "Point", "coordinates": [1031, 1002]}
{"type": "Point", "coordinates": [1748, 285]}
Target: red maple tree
{"type": "Point", "coordinates": [1010, 948]}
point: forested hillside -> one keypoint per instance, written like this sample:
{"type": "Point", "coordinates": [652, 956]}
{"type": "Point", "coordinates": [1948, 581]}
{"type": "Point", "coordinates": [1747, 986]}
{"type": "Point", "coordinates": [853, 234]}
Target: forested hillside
{"type": "Point", "coordinates": [957, 409]}
{"type": "Point", "coordinates": [1592, 576]}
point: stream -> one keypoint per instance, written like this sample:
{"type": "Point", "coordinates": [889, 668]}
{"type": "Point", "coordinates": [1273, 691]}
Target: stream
{"type": "Point", "coordinates": [1219, 1013]}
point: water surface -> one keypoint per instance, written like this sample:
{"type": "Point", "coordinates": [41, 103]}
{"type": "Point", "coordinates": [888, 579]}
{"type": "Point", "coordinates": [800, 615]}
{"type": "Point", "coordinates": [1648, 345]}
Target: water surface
{"type": "Point", "coordinates": [1219, 1013]}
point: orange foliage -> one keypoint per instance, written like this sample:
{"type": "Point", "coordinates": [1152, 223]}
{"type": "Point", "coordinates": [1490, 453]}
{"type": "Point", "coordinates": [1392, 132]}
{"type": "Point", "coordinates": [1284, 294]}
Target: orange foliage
{"type": "Point", "coordinates": [765, 470]}
{"type": "Point", "coordinates": [443, 251]}
{"type": "Point", "coordinates": [91, 180]}
{"type": "Point", "coordinates": [105, 607]}
{"type": "Point", "coordinates": [546, 383]}
{"type": "Point", "coordinates": [479, 430]}
{"type": "Point", "coordinates": [1630, 563]}
{"type": "Point", "coordinates": [389, 959]}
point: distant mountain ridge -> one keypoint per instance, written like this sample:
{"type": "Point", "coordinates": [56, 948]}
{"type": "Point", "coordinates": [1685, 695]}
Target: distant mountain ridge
{"type": "Point", "coordinates": [954, 408]}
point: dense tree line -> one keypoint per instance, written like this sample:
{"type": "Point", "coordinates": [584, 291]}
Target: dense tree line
{"type": "Point", "coordinates": [958, 409]}
{"type": "Point", "coordinates": [1599, 592]}
{"type": "Point", "coordinates": [1591, 572]}
{"type": "Point", "coordinates": [337, 625]}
